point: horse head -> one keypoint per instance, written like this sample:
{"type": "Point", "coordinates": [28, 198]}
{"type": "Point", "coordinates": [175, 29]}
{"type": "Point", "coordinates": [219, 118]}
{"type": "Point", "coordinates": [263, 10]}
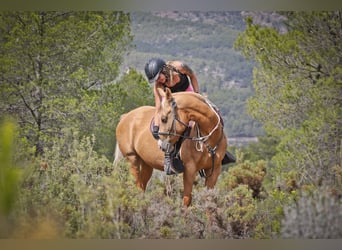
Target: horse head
{"type": "Point", "coordinates": [172, 123]}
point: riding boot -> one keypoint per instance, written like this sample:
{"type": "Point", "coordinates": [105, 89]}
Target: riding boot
{"type": "Point", "coordinates": [168, 164]}
{"type": "Point", "coordinates": [173, 164]}
{"type": "Point", "coordinates": [167, 147]}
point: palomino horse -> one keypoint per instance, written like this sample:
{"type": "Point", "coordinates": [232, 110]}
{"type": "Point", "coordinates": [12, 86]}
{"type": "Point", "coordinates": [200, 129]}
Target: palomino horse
{"type": "Point", "coordinates": [203, 149]}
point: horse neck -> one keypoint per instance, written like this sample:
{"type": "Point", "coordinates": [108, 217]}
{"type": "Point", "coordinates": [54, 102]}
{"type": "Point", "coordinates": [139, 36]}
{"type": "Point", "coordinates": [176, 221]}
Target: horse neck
{"type": "Point", "coordinates": [199, 111]}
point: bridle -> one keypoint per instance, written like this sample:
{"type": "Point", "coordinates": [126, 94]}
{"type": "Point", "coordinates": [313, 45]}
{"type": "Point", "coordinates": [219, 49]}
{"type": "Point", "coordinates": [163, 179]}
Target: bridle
{"type": "Point", "coordinates": [173, 132]}
{"type": "Point", "coordinates": [199, 139]}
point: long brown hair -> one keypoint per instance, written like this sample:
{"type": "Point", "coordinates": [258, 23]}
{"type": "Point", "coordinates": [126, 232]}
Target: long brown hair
{"type": "Point", "coordinates": [167, 71]}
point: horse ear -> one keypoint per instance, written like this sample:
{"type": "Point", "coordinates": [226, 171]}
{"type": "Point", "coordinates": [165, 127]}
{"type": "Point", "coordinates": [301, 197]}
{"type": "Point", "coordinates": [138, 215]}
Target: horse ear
{"type": "Point", "coordinates": [161, 92]}
{"type": "Point", "coordinates": [165, 93]}
{"type": "Point", "coordinates": [168, 94]}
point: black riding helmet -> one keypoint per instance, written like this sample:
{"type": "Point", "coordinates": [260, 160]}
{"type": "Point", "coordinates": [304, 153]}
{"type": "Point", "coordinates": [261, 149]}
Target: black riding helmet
{"type": "Point", "coordinates": [153, 68]}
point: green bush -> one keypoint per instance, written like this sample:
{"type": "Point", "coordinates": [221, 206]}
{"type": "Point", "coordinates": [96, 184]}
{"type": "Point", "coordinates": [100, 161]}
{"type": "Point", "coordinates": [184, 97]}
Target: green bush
{"type": "Point", "coordinates": [241, 211]}
{"type": "Point", "coordinates": [248, 173]}
{"type": "Point", "coordinates": [313, 216]}
{"type": "Point", "coordinates": [9, 176]}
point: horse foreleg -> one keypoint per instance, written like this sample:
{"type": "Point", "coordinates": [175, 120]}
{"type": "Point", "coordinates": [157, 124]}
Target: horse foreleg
{"type": "Point", "coordinates": [210, 182]}
{"type": "Point", "coordinates": [135, 170]}
{"type": "Point", "coordinates": [144, 175]}
{"type": "Point", "coordinates": [141, 173]}
{"type": "Point", "coordinates": [188, 181]}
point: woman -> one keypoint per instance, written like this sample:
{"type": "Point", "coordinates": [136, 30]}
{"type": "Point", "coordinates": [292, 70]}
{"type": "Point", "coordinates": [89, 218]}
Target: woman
{"type": "Point", "coordinates": [175, 75]}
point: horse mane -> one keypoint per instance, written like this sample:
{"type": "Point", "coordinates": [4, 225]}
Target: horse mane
{"type": "Point", "coordinates": [199, 97]}
{"type": "Point", "coordinates": [196, 95]}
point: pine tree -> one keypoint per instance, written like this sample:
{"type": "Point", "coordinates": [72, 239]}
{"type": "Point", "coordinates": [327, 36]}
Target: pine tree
{"type": "Point", "coordinates": [298, 91]}
{"type": "Point", "coordinates": [50, 64]}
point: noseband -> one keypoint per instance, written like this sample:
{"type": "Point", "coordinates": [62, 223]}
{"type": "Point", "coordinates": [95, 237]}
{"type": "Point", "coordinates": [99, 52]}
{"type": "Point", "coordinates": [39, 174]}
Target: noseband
{"type": "Point", "coordinates": [172, 131]}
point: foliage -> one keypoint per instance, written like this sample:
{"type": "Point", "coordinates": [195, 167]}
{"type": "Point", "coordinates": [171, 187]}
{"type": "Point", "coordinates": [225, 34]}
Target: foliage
{"type": "Point", "coordinates": [270, 212]}
{"type": "Point", "coordinates": [105, 106]}
{"type": "Point", "coordinates": [54, 183]}
{"type": "Point", "coordinates": [245, 173]}
{"type": "Point", "coordinates": [297, 98]}
{"type": "Point", "coordinates": [264, 149]}
{"type": "Point", "coordinates": [232, 106]}
{"type": "Point", "coordinates": [315, 216]}
{"type": "Point", "coordinates": [298, 91]}
{"type": "Point", "coordinates": [241, 210]}
{"type": "Point", "coordinates": [51, 62]}
{"type": "Point", "coordinates": [72, 190]}
{"type": "Point", "coordinates": [203, 40]}
{"type": "Point", "coordinates": [9, 175]}
{"type": "Point", "coordinates": [134, 91]}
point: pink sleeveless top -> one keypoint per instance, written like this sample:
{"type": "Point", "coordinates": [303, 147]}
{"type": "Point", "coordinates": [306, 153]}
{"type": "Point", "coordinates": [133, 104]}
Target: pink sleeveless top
{"type": "Point", "coordinates": [189, 89]}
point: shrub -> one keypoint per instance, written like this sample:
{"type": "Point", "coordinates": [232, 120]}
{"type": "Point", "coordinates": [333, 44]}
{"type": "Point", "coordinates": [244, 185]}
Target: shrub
{"type": "Point", "coordinates": [240, 211]}
{"type": "Point", "coordinates": [313, 216]}
{"type": "Point", "coordinates": [246, 173]}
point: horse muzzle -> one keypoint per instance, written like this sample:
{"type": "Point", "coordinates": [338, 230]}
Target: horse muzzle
{"type": "Point", "coordinates": [166, 145]}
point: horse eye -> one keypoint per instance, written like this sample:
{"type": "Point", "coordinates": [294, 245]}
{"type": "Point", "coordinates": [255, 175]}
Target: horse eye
{"type": "Point", "coordinates": [164, 119]}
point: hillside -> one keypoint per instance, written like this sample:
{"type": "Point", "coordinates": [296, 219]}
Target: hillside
{"type": "Point", "coordinates": [204, 40]}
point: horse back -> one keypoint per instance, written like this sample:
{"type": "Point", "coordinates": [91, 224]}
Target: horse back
{"type": "Point", "coordinates": [133, 134]}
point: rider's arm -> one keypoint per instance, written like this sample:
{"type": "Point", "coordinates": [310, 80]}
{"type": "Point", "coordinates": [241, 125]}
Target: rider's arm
{"type": "Point", "coordinates": [157, 101]}
{"type": "Point", "coordinates": [185, 69]}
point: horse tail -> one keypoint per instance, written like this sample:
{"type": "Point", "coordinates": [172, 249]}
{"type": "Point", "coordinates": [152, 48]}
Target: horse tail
{"type": "Point", "coordinates": [117, 155]}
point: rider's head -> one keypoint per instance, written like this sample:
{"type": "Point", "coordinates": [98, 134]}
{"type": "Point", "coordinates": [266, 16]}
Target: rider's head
{"type": "Point", "coordinates": [153, 68]}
